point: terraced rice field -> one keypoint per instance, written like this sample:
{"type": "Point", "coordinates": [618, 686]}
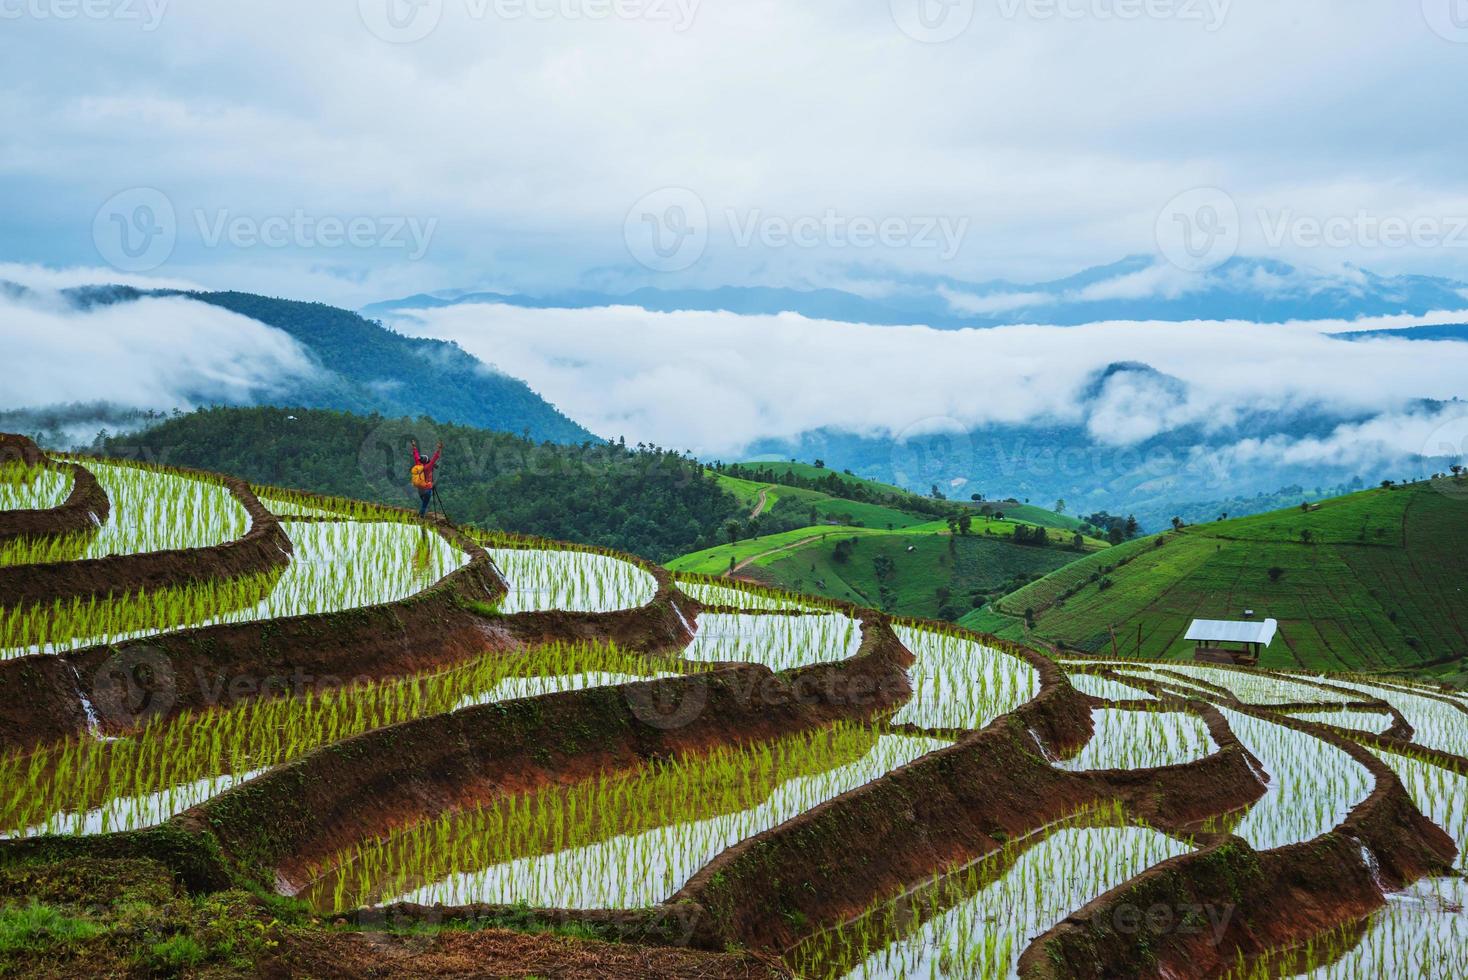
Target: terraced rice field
{"type": "Point", "coordinates": [746, 598]}
{"type": "Point", "coordinates": [395, 726]}
{"type": "Point", "coordinates": [958, 683]}
{"type": "Point", "coordinates": [336, 566]}
{"type": "Point", "coordinates": [25, 487]}
{"type": "Point", "coordinates": [780, 642]}
{"type": "Point", "coordinates": [1127, 739]}
{"type": "Point", "coordinates": [977, 921]}
{"type": "Point", "coordinates": [572, 581]}
{"type": "Point", "coordinates": [151, 511]}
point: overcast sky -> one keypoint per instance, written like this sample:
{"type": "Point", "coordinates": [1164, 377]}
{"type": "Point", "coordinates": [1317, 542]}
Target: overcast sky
{"type": "Point", "coordinates": [318, 150]}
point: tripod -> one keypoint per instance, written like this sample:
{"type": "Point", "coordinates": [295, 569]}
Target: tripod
{"type": "Point", "coordinates": [438, 502]}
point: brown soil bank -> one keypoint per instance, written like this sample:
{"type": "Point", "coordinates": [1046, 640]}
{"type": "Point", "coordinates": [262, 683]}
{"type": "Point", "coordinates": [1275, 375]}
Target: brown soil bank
{"type": "Point", "coordinates": [947, 809]}
{"type": "Point", "coordinates": [46, 697]}
{"type": "Point", "coordinates": [263, 547]}
{"type": "Point", "coordinates": [453, 953]}
{"type": "Point", "coordinates": [1255, 901]}
{"type": "Point", "coordinates": [661, 626]}
{"type": "Point", "coordinates": [84, 508]}
{"type": "Point", "coordinates": [274, 826]}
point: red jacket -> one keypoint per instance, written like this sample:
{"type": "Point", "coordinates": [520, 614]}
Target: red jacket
{"type": "Point", "coordinates": [427, 464]}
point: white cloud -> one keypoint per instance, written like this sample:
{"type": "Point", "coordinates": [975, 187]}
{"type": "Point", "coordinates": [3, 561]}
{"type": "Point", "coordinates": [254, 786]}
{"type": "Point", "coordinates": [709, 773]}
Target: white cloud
{"type": "Point", "coordinates": [529, 137]}
{"type": "Point", "coordinates": [42, 279]}
{"type": "Point", "coordinates": [150, 354]}
{"type": "Point", "coordinates": [713, 382]}
{"type": "Point", "coordinates": [1394, 437]}
{"type": "Point", "coordinates": [963, 302]}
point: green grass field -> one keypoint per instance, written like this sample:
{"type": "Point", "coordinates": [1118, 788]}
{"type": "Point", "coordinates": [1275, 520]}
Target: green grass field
{"type": "Point", "coordinates": [924, 558]}
{"type": "Point", "coordinates": [807, 471]}
{"type": "Point", "coordinates": [816, 507]}
{"type": "Point", "coordinates": [1370, 581]}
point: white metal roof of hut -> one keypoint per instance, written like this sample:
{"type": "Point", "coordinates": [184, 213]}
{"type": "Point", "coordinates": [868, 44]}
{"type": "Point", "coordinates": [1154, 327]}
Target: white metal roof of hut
{"type": "Point", "coordinates": [1226, 631]}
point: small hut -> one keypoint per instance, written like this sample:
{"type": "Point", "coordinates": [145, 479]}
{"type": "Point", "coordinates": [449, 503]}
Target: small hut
{"type": "Point", "coordinates": [1221, 641]}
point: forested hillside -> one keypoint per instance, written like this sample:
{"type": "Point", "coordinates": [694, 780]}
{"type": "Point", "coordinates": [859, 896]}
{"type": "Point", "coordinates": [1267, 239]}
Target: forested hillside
{"type": "Point", "coordinates": [644, 499]}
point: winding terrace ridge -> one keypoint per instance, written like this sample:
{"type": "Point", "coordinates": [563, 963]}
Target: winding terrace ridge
{"type": "Point", "coordinates": [44, 697]}
{"type": "Point", "coordinates": [86, 506]}
{"type": "Point", "coordinates": [1276, 898]}
{"type": "Point", "coordinates": [947, 809]}
{"type": "Point", "coordinates": [264, 547]}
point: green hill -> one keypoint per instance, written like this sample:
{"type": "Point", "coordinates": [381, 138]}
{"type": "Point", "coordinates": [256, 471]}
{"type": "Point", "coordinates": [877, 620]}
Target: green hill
{"type": "Point", "coordinates": [365, 367]}
{"type": "Point", "coordinates": [913, 568]}
{"type": "Point", "coordinates": [1370, 581]}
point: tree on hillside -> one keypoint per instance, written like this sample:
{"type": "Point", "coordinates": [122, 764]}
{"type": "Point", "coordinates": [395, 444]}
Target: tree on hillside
{"type": "Point", "coordinates": [1060, 506]}
{"type": "Point", "coordinates": [732, 530]}
{"type": "Point", "coordinates": [1132, 527]}
{"type": "Point", "coordinates": [1177, 523]}
{"type": "Point", "coordinates": [966, 524]}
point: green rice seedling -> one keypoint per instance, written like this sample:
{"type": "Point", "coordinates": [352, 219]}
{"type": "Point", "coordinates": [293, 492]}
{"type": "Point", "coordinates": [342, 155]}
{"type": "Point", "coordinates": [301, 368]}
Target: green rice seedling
{"type": "Point", "coordinates": [1256, 688]}
{"type": "Point", "coordinates": [1105, 687]}
{"type": "Point", "coordinates": [24, 487]}
{"type": "Point", "coordinates": [616, 841]}
{"type": "Point", "coordinates": [1312, 785]}
{"type": "Point", "coordinates": [572, 581]}
{"type": "Point", "coordinates": [747, 597]}
{"type": "Point", "coordinates": [68, 624]}
{"type": "Point", "coordinates": [291, 503]}
{"type": "Point", "coordinates": [975, 922]}
{"type": "Point", "coordinates": [1422, 931]}
{"type": "Point", "coordinates": [152, 510]}
{"type": "Point", "coordinates": [90, 785]}
{"type": "Point", "coordinates": [1438, 724]}
{"type": "Point", "coordinates": [1370, 722]}
{"type": "Point", "coordinates": [780, 642]}
{"type": "Point", "coordinates": [1126, 739]}
{"type": "Point", "coordinates": [960, 683]}
{"type": "Point", "coordinates": [336, 565]}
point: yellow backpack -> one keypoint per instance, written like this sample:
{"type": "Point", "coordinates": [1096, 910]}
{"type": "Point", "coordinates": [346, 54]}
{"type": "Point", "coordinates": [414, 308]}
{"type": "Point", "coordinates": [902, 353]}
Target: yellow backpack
{"type": "Point", "coordinates": [420, 477]}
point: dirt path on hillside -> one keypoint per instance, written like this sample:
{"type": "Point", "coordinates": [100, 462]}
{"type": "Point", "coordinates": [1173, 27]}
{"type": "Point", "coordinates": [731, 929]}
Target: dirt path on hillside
{"type": "Point", "coordinates": [774, 551]}
{"type": "Point", "coordinates": [759, 506]}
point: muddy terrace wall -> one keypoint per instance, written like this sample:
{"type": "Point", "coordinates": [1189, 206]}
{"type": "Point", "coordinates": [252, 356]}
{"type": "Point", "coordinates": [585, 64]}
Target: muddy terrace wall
{"type": "Point", "coordinates": [943, 810]}
{"type": "Point", "coordinates": [264, 547]}
{"type": "Point", "coordinates": [162, 676]}
{"type": "Point", "coordinates": [1275, 898]}
{"type": "Point", "coordinates": [274, 825]}
{"type": "Point", "coordinates": [75, 515]}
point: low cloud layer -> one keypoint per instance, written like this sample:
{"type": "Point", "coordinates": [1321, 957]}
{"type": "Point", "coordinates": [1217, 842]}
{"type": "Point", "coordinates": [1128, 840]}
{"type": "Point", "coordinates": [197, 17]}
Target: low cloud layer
{"type": "Point", "coordinates": [150, 354]}
{"type": "Point", "coordinates": [715, 382]}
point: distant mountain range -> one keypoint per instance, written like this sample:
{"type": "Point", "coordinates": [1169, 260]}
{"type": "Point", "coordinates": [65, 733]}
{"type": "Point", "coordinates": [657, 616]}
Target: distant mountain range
{"type": "Point", "coordinates": [365, 368]}
{"type": "Point", "coordinates": [1136, 288]}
